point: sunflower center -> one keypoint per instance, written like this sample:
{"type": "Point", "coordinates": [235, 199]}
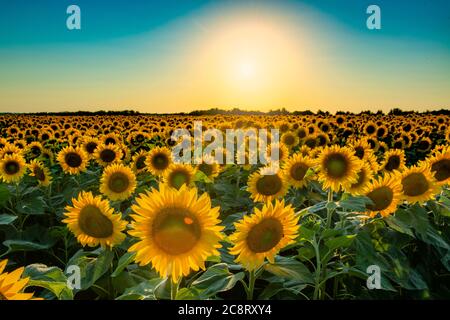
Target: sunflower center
{"type": "Point", "coordinates": [289, 139]}
{"type": "Point", "coordinates": [12, 167]}
{"type": "Point", "coordinates": [178, 178]}
{"type": "Point", "coordinates": [336, 165]}
{"type": "Point", "coordinates": [207, 169]}
{"type": "Point", "coordinates": [110, 141]}
{"type": "Point", "coordinates": [93, 223]}
{"type": "Point", "coordinates": [140, 163]}
{"type": "Point", "coordinates": [73, 159]}
{"type": "Point", "coordinates": [441, 169]}
{"type": "Point", "coordinates": [118, 182]}
{"type": "Point", "coordinates": [176, 230]}
{"type": "Point", "coordinates": [35, 150]}
{"type": "Point", "coordinates": [269, 185]}
{"type": "Point", "coordinates": [90, 147]}
{"type": "Point", "coordinates": [107, 155]}
{"type": "Point", "coordinates": [39, 173]}
{"type": "Point", "coordinates": [381, 197]}
{"type": "Point", "coordinates": [393, 163]}
{"type": "Point", "coordinates": [265, 235]}
{"type": "Point", "coordinates": [298, 171]}
{"type": "Point", "coordinates": [359, 152]}
{"type": "Point", "coordinates": [160, 161]}
{"type": "Point", "coordinates": [415, 184]}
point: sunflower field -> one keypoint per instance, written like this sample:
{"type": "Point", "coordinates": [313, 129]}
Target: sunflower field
{"type": "Point", "coordinates": [95, 207]}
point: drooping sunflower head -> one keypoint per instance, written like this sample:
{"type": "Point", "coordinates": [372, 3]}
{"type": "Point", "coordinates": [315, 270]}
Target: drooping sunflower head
{"type": "Point", "coordinates": [338, 167]}
{"type": "Point", "coordinates": [12, 168]}
{"type": "Point", "coordinates": [12, 284]}
{"type": "Point", "coordinates": [73, 160]}
{"type": "Point", "coordinates": [267, 184]}
{"type": "Point", "coordinates": [365, 175]}
{"type": "Point", "coordinates": [418, 184]}
{"type": "Point", "coordinates": [385, 194]}
{"type": "Point", "coordinates": [118, 182]}
{"type": "Point", "coordinates": [393, 160]}
{"type": "Point", "coordinates": [177, 230]}
{"type": "Point", "coordinates": [179, 174]}
{"type": "Point", "coordinates": [440, 166]}
{"type": "Point", "coordinates": [296, 168]}
{"type": "Point", "coordinates": [158, 160]}
{"type": "Point", "coordinates": [209, 167]}
{"type": "Point", "coordinates": [263, 234]}
{"type": "Point", "coordinates": [41, 173]}
{"type": "Point", "coordinates": [93, 221]}
{"type": "Point", "coordinates": [107, 154]}
{"type": "Point", "coordinates": [138, 161]}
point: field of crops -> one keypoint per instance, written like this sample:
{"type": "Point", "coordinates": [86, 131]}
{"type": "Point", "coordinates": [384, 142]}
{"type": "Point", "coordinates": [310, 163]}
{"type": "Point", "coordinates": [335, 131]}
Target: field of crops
{"type": "Point", "coordinates": [95, 207]}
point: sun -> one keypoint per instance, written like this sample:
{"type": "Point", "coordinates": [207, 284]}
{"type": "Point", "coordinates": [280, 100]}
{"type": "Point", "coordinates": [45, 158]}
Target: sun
{"type": "Point", "coordinates": [246, 69]}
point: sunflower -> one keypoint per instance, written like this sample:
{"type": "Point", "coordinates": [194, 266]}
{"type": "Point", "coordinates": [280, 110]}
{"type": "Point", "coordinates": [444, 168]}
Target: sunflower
{"type": "Point", "coordinates": [393, 160]}
{"type": "Point", "coordinates": [12, 168]}
{"type": "Point", "coordinates": [365, 175]}
{"type": "Point", "coordinates": [158, 160]}
{"type": "Point", "coordinates": [263, 234]}
{"type": "Point", "coordinates": [290, 140]}
{"type": "Point", "coordinates": [93, 222]}
{"type": "Point", "coordinates": [280, 148]}
{"type": "Point", "coordinates": [89, 145]}
{"type": "Point", "coordinates": [179, 174]}
{"type": "Point", "coordinates": [12, 284]}
{"type": "Point", "coordinates": [338, 167]}
{"type": "Point", "coordinates": [34, 150]}
{"type": "Point", "coordinates": [385, 193]}
{"type": "Point", "coordinates": [10, 149]}
{"type": "Point", "coordinates": [209, 166]}
{"type": "Point", "coordinates": [118, 182]}
{"type": "Point", "coordinates": [73, 160]}
{"type": "Point", "coordinates": [266, 185]}
{"type": "Point", "coordinates": [440, 166]}
{"type": "Point", "coordinates": [41, 173]}
{"type": "Point", "coordinates": [295, 169]}
{"type": "Point", "coordinates": [418, 184]}
{"type": "Point", "coordinates": [138, 161]}
{"type": "Point", "coordinates": [107, 154]}
{"type": "Point", "coordinates": [177, 230]}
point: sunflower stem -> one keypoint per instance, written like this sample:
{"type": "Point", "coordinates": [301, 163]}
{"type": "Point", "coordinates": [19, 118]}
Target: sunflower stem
{"type": "Point", "coordinates": [174, 289]}
{"type": "Point", "coordinates": [329, 210]}
{"type": "Point", "coordinates": [251, 285]}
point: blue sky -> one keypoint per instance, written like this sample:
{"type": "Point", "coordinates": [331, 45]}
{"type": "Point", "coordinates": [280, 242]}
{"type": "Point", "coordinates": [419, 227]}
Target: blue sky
{"type": "Point", "coordinates": [150, 45]}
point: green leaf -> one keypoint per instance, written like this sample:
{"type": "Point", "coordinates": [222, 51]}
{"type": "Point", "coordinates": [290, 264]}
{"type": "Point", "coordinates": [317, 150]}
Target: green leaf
{"type": "Point", "coordinates": [202, 177]}
{"type": "Point", "coordinates": [340, 242]}
{"type": "Point", "coordinates": [91, 268]}
{"type": "Point", "coordinates": [124, 261]}
{"type": "Point", "coordinates": [399, 225]}
{"type": "Point", "coordinates": [355, 204]}
{"type": "Point", "coordinates": [6, 219]}
{"type": "Point", "coordinates": [4, 195]}
{"type": "Point", "coordinates": [415, 217]}
{"type": "Point", "coordinates": [215, 279]}
{"type": "Point", "coordinates": [24, 245]}
{"type": "Point", "coordinates": [50, 278]}
{"type": "Point", "coordinates": [143, 291]}
{"type": "Point", "coordinates": [32, 206]}
{"type": "Point", "coordinates": [290, 269]}
{"type": "Point", "coordinates": [189, 294]}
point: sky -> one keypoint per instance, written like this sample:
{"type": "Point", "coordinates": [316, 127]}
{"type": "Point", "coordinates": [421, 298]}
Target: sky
{"type": "Point", "coordinates": [177, 56]}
